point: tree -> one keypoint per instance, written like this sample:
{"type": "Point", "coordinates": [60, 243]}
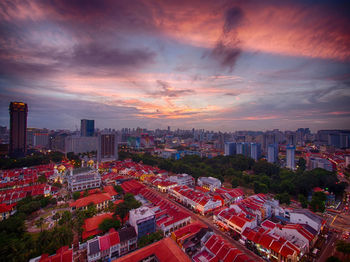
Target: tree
{"type": "Point", "coordinates": [86, 193]}
{"type": "Point", "coordinates": [333, 259]}
{"type": "Point", "coordinates": [235, 182]}
{"type": "Point", "coordinates": [301, 165]}
{"type": "Point", "coordinates": [303, 200]}
{"type": "Point", "coordinates": [150, 238]}
{"type": "Point", "coordinates": [76, 195]}
{"type": "Point", "coordinates": [39, 223]}
{"type": "Point", "coordinates": [343, 247]}
{"type": "Point", "coordinates": [91, 210]}
{"type": "Point", "coordinates": [108, 223]}
{"type": "Point", "coordinates": [56, 216]}
{"type": "Point", "coordinates": [318, 202]}
{"type": "Point", "coordinates": [119, 189]}
{"type": "Point", "coordinates": [42, 179]}
{"type": "Point", "coordinates": [122, 211]}
{"type": "Point", "coordinates": [283, 198]}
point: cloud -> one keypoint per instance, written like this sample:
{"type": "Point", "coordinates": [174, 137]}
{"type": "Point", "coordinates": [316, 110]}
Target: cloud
{"type": "Point", "coordinates": [168, 91]}
{"type": "Point", "coordinates": [96, 55]}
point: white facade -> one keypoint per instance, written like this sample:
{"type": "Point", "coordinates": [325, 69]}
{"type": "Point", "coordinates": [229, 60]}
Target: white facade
{"type": "Point", "coordinates": [210, 183]}
{"type": "Point", "coordinates": [303, 216]}
{"type": "Point", "coordinates": [317, 162]}
{"type": "Point", "coordinates": [272, 153]}
{"type": "Point", "coordinates": [182, 180]}
{"type": "Point", "coordinates": [140, 215]}
{"type": "Point", "coordinates": [85, 180]}
{"type": "Point", "coordinates": [290, 152]}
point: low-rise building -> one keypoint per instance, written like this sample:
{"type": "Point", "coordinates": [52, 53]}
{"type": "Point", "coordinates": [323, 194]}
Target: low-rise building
{"type": "Point", "coordinates": [104, 247]}
{"type": "Point", "coordinates": [128, 240]}
{"type": "Point", "coordinates": [100, 200]}
{"type": "Point", "coordinates": [163, 250]}
{"type": "Point", "coordinates": [209, 183]}
{"type": "Point", "coordinates": [143, 220]}
{"type": "Point", "coordinates": [182, 180]}
{"type": "Point", "coordinates": [83, 178]}
{"type": "Point", "coordinates": [64, 254]}
{"type": "Point", "coordinates": [305, 216]}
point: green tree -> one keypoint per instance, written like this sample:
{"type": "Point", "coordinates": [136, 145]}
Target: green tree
{"type": "Point", "coordinates": [39, 223]}
{"type": "Point", "coordinates": [318, 202]}
{"type": "Point", "coordinates": [122, 211]}
{"type": "Point", "coordinates": [108, 223]}
{"type": "Point", "coordinates": [343, 247]}
{"type": "Point", "coordinates": [119, 189]}
{"type": "Point", "coordinates": [76, 195]}
{"type": "Point", "coordinates": [301, 165]}
{"type": "Point", "coordinates": [333, 259]}
{"type": "Point", "coordinates": [86, 193]}
{"type": "Point", "coordinates": [42, 179]}
{"type": "Point", "coordinates": [150, 238]}
{"type": "Point", "coordinates": [56, 216]}
{"type": "Point", "coordinates": [283, 198]}
{"type": "Point", "coordinates": [303, 200]}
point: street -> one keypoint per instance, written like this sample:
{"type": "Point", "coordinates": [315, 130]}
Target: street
{"type": "Point", "coordinates": [208, 223]}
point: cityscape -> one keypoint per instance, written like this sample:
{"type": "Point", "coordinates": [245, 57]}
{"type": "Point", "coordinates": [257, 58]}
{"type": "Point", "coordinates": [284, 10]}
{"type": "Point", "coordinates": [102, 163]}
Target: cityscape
{"type": "Point", "coordinates": [174, 131]}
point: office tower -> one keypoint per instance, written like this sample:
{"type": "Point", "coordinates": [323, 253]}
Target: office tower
{"type": "Point", "coordinates": [18, 129]}
{"type": "Point", "coordinates": [255, 151]}
{"type": "Point", "coordinates": [107, 148]}
{"type": "Point", "coordinates": [290, 157]}
{"type": "Point", "coordinates": [87, 127]}
{"type": "Point", "coordinates": [230, 148]}
{"type": "Point", "coordinates": [272, 153]}
{"type": "Point", "coordinates": [243, 148]}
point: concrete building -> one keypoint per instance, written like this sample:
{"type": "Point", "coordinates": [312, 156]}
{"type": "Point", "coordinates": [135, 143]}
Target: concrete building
{"type": "Point", "coordinates": [83, 178]}
{"type": "Point", "coordinates": [182, 180]}
{"type": "Point", "coordinates": [209, 183]}
{"type": "Point", "coordinates": [243, 148]}
{"type": "Point", "coordinates": [317, 162]}
{"type": "Point", "coordinates": [87, 127]}
{"type": "Point", "coordinates": [255, 151]}
{"type": "Point", "coordinates": [80, 144]}
{"type": "Point", "coordinates": [18, 129]}
{"type": "Point", "coordinates": [107, 148]}
{"type": "Point", "coordinates": [230, 148]}
{"type": "Point", "coordinates": [290, 157]}
{"type": "Point", "coordinates": [272, 153]}
{"type": "Point", "coordinates": [305, 216]}
{"type": "Point", "coordinates": [143, 220]}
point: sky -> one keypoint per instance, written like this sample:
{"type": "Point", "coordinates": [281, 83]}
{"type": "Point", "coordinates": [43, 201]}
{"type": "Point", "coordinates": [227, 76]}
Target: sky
{"type": "Point", "coordinates": [217, 65]}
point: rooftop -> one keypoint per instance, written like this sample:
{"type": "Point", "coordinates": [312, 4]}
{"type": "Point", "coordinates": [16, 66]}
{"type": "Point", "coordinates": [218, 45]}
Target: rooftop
{"type": "Point", "coordinates": [163, 250]}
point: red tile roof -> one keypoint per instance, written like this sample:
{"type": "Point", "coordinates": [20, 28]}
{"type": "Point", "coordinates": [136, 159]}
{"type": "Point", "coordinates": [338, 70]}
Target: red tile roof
{"type": "Point", "coordinates": [91, 225]}
{"type": "Point", "coordinates": [95, 198]}
{"type": "Point", "coordinates": [165, 250]}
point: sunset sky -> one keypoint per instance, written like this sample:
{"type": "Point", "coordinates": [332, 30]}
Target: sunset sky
{"type": "Point", "coordinates": [218, 65]}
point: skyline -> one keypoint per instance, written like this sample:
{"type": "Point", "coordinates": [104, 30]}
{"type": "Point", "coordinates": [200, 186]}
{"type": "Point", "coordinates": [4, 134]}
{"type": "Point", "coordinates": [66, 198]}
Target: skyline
{"type": "Point", "coordinates": [242, 65]}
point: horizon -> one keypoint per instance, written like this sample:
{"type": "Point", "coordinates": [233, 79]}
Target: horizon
{"type": "Point", "coordinates": [220, 66]}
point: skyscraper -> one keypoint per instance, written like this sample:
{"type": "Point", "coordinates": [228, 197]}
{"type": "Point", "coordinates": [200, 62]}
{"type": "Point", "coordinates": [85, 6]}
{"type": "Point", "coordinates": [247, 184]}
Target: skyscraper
{"type": "Point", "coordinates": [107, 147]}
{"type": "Point", "coordinates": [243, 148]}
{"type": "Point", "coordinates": [255, 151]}
{"type": "Point", "coordinates": [272, 153]}
{"type": "Point", "coordinates": [18, 129]}
{"type": "Point", "coordinates": [290, 157]}
{"type": "Point", "coordinates": [87, 127]}
{"type": "Point", "coordinates": [230, 148]}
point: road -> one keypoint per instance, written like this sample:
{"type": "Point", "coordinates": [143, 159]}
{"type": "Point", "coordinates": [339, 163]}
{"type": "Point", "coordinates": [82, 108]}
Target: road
{"type": "Point", "coordinates": [207, 222]}
{"type": "Point", "coordinates": [328, 250]}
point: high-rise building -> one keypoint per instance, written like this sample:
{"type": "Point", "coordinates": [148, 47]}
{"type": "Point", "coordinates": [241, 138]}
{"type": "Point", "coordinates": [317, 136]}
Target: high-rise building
{"type": "Point", "coordinates": [230, 148]}
{"type": "Point", "coordinates": [255, 151]}
{"type": "Point", "coordinates": [243, 148]}
{"type": "Point", "coordinates": [107, 148]}
{"type": "Point", "coordinates": [87, 127]}
{"type": "Point", "coordinates": [272, 153]}
{"type": "Point", "coordinates": [18, 129]}
{"type": "Point", "coordinates": [290, 157]}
